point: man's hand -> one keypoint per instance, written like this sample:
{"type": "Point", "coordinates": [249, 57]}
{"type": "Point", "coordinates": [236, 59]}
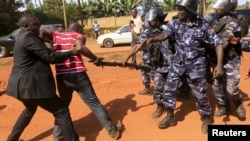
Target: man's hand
{"type": "Point", "coordinates": [218, 72]}
{"type": "Point", "coordinates": [233, 40]}
{"type": "Point", "coordinates": [146, 42]}
{"type": "Point", "coordinates": [98, 61]}
{"type": "Point", "coordinates": [124, 62]}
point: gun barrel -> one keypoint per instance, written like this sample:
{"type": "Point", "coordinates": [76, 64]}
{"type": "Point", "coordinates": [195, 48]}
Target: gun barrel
{"type": "Point", "coordinates": [131, 65]}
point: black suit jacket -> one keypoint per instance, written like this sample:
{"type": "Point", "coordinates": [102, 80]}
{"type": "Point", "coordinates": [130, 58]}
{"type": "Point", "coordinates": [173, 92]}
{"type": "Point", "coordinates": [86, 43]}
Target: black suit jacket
{"type": "Point", "coordinates": [31, 76]}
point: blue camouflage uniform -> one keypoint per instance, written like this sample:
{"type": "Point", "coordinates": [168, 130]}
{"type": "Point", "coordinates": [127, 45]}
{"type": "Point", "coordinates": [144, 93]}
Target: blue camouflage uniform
{"type": "Point", "coordinates": [229, 82]}
{"type": "Point", "coordinates": [146, 76]}
{"type": "Point", "coordinates": [160, 71]}
{"type": "Point", "coordinates": [245, 45]}
{"type": "Point", "coordinates": [189, 62]}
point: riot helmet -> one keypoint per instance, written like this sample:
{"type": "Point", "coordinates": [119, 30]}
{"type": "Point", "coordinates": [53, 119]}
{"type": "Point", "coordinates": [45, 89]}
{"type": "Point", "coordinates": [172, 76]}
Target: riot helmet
{"type": "Point", "coordinates": [140, 11]}
{"type": "Point", "coordinates": [227, 5]}
{"type": "Point", "coordinates": [155, 12]}
{"type": "Point", "coordinates": [189, 5]}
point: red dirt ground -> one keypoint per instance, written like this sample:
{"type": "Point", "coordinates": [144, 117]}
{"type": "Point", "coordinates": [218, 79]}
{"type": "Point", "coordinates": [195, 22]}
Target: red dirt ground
{"type": "Point", "coordinates": [117, 88]}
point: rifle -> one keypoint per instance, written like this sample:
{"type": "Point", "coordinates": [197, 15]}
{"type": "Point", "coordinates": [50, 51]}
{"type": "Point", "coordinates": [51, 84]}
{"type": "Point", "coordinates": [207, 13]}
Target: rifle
{"type": "Point", "coordinates": [130, 65]}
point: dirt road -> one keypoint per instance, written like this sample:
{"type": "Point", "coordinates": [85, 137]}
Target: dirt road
{"type": "Point", "coordinates": [117, 89]}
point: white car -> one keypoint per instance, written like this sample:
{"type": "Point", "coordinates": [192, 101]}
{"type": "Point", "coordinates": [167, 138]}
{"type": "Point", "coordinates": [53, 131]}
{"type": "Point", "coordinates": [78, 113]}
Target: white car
{"type": "Point", "coordinates": [120, 36]}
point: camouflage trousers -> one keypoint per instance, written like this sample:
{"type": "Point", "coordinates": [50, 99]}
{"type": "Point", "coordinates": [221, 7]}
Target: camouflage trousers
{"type": "Point", "coordinates": [159, 81]}
{"type": "Point", "coordinates": [147, 76]}
{"type": "Point", "coordinates": [196, 80]}
{"type": "Point", "coordinates": [228, 86]}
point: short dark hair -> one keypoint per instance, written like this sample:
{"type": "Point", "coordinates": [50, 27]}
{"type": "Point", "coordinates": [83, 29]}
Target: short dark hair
{"type": "Point", "coordinates": [134, 8]}
{"type": "Point", "coordinates": [25, 19]}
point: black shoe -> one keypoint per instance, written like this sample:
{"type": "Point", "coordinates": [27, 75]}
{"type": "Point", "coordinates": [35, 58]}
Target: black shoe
{"type": "Point", "coordinates": [169, 120]}
{"type": "Point", "coordinates": [205, 122]}
{"type": "Point", "coordinates": [116, 134]}
{"type": "Point", "coordinates": [166, 122]}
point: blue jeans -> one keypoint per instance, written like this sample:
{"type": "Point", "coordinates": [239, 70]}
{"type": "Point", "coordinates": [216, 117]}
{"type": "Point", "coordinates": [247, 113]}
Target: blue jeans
{"type": "Point", "coordinates": [81, 83]}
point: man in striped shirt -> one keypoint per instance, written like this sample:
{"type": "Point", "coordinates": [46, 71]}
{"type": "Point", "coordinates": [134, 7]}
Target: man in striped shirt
{"type": "Point", "coordinates": [71, 76]}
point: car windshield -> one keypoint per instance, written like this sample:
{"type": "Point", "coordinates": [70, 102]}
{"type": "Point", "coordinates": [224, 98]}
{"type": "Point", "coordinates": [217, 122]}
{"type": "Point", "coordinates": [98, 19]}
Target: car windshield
{"type": "Point", "coordinates": [124, 29]}
{"type": "Point", "coordinates": [14, 33]}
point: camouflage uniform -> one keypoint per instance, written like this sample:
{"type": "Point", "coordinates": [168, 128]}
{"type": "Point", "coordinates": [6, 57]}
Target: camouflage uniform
{"type": "Point", "coordinates": [189, 62]}
{"type": "Point", "coordinates": [160, 71]}
{"type": "Point", "coordinates": [228, 85]}
{"type": "Point", "coordinates": [245, 45]}
{"type": "Point", "coordinates": [146, 75]}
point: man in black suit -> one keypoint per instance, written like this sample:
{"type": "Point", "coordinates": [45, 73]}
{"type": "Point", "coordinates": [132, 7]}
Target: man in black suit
{"type": "Point", "coordinates": [32, 82]}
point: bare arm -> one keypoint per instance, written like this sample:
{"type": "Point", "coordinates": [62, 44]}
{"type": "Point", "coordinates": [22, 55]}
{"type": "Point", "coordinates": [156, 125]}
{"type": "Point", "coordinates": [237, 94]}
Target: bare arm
{"type": "Point", "coordinates": [85, 51]}
{"type": "Point", "coordinates": [45, 33]}
{"type": "Point", "coordinates": [218, 71]}
{"type": "Point", "coordinates": [158, 38]}
{"type": "Point", "coordinates": [133, 51]}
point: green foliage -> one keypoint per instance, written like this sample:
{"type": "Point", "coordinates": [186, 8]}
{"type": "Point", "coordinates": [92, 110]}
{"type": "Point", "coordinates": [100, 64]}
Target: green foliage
{"type": "Point", "coordinates": [9, 15]}
{"type": "Point", "coordinates": [168, 5]}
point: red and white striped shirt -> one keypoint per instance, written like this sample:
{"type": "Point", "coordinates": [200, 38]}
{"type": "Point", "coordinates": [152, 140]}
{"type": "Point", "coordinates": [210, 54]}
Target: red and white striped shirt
{"type": "Point", "coordinates": [62, 42]}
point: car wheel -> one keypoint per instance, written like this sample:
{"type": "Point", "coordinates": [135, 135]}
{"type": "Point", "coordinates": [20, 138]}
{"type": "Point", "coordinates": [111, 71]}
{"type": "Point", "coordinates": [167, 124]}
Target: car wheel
{"type": "Point", "coordinates": [108, 42]}
{"type": "Point", "coordinates": [3, 51]}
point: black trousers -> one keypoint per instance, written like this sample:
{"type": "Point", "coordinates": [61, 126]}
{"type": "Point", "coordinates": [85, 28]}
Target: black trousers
{"type": "Point", "coordinates": [52, 105]}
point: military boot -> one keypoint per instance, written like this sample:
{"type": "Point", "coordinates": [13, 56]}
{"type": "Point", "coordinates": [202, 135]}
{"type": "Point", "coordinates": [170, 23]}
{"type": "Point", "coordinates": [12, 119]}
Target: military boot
{"type": "Point", "coordinates": [205, 122]}
{"type": "Point", "coordinates": [223, 110]}
{"type": "Point", "coordinates": [169, 120]}
{"type": "Point", "coordinates": [159, 111]}
{"type": "Point", "coordinates": [240, 109]}
{"type": "Point", "coordinates": [146, 91]}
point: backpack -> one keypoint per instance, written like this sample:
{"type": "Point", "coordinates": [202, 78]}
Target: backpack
{"type": "Point", "coordinates": [238, 18]}
{"type": "Point", "coordinates": [233, 50]}
{"type": "Point", "coordinates": [243, 22]}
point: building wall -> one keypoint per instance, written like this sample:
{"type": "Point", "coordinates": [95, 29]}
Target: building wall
{"type": "Point", "coordinates": [116, 21]}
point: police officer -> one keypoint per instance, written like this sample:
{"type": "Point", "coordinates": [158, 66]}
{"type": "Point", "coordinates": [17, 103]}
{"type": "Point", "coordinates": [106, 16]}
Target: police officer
{"type": "Point", "coordinates": [227, 87]}
{"type": "Point", "coordinates": [160, 55]}
{"type": "Point", "coordinates": [146, 75]}
{"type": "Point", "coordinates": [155, 54]}
{"type": "Point", "coordinates": [189, 60]}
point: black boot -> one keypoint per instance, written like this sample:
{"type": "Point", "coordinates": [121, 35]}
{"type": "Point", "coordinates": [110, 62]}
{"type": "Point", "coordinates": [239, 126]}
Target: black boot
{"type": "Point", "coordinates": [240, 109]}
{"type": "Point", "coordinates": [223, 110]}
{"type": "Point", "coordinates": [169, 120]}
{"type": "Point", "coordinates": [146, 91]}
{"type": "Point", "coordinates": [205, 122]}
{"type": "Point", "coordinates": [158, 112]}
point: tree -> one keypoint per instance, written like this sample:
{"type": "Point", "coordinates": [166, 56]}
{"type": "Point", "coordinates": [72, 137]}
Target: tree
{"type": "Point", "coordinates": [9, 15]}
{"type": "Point", "coordinates": [168, 5]}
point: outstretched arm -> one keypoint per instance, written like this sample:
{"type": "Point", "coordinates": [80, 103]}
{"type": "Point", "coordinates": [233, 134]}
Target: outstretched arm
{"type": "Point", "coordinates": [85, 51]}
{"type": "Point", "coordinates": [158, 38]}
{"type": "Point", "coordinates": [133, 51]}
